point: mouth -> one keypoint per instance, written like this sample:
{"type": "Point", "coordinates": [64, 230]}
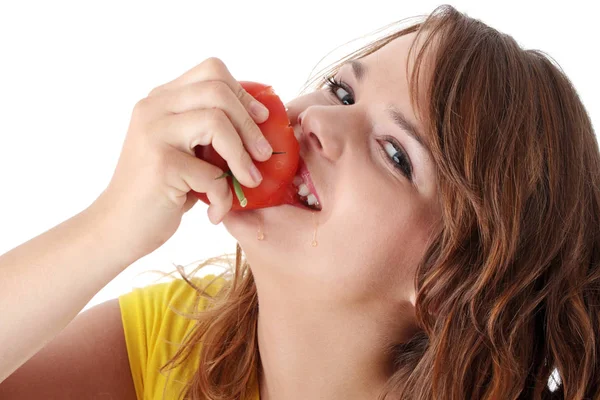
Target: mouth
{"type": "Point", "coordinates": [307, 195]}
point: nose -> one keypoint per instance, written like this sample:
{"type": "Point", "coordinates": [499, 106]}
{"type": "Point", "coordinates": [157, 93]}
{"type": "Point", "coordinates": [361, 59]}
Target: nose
{"type": "Point", "coordinates": [329, 130]}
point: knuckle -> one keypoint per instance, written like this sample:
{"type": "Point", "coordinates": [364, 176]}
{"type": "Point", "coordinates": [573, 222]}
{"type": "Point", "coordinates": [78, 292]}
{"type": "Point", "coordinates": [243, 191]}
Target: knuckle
{"type": "Point", "coordinates": [244, 157]}
{"type": "Point", "coordinates": [241, 93]}
{"type": "Point", "coordinates": [141, 107]}
{"type": "Point", "coordinates": [216, 116]}
{"type": "Point", "coordinates": [249, 126]}
{"type": "Point", "coordinates": [214, 63]}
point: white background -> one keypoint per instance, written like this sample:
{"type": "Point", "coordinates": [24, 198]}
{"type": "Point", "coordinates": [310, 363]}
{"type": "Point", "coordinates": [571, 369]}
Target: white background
{"type": "Point", "coordinates": [71, 72]}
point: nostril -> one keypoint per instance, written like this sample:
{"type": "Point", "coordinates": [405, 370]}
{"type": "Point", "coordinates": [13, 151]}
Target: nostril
{"type": "Point", "coordinates": [314, 138]}
{"type": "Point", "coordinates": [300, 118]}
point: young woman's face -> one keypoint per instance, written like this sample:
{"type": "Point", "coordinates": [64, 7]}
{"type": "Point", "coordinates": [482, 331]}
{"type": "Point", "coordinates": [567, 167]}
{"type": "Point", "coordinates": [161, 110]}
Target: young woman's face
{"type": "Point", "coordinates": [376, 184]}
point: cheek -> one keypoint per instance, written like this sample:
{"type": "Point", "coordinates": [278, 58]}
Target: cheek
{"type": "Point", "coordinates": [377, 247]}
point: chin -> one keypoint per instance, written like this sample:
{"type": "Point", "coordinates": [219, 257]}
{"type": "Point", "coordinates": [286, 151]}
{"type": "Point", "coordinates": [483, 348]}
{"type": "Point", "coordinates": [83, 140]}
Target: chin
{"type": "Point", "coordinates": [286, 253]}
{"type": "Point", "coordinates": [280, 232]}
{"type": "Point", "coordinates": [238, 223]}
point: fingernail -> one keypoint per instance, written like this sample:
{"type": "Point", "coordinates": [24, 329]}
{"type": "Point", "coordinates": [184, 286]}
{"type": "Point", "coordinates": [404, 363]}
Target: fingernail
{"type": "Point", "coordinates": [255, 173]}
{"type": "Point", "coordinates": [259, 110]}
{"type": "Point", "coordinates": [263, 146]}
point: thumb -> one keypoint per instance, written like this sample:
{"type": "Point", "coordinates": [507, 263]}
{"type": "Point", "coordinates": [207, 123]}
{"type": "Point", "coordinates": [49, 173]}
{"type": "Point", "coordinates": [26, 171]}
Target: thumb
{"type": "Point", "coordinates": [189, 203]}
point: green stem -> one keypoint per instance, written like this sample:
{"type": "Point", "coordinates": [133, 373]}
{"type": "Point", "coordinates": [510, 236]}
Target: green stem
{"type": "Point", "coordinates": [239, 192]}
{"type": "Point", "coordinates": [223, 175]}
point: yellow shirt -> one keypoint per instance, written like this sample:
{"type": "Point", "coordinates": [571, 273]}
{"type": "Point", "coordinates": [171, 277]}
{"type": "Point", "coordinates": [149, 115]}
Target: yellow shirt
{"type": "Point", "coordinates": [153, 332]}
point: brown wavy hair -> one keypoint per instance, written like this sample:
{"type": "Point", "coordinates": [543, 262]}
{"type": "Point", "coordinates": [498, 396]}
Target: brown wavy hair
{"type": "Point", "coordinates": [509, 290]}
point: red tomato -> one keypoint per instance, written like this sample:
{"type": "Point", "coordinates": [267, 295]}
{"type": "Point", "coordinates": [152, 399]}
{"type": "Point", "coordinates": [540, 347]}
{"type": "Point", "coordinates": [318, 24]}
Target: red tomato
{"type": "Point", "coordinates": [278, 171]}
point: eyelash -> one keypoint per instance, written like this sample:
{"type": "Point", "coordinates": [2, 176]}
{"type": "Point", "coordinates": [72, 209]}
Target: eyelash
{"type": "Point", "coordinates": [403, 163]}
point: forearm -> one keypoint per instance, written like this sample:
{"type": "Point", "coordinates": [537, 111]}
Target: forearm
{"type": "Point", "coordinates": [46, 281]}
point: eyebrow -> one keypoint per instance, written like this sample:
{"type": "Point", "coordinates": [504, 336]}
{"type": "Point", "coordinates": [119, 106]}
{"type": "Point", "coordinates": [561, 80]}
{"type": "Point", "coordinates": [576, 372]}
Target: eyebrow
{"type": "Point", "coordinates": [360, 70]}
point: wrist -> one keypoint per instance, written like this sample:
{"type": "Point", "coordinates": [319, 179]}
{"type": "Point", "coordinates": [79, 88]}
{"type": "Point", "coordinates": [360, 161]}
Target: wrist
{"type": "Point", "coordinates": [105, 228]}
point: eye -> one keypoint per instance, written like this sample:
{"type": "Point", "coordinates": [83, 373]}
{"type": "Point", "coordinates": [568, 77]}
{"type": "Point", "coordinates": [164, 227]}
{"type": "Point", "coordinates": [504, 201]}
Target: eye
{"type": "Point", "coordinates": [335, 87]}
{"type": "Point", "coordinates": [395, 153]}
{"type": "Point", "coordinates": [398, 157]}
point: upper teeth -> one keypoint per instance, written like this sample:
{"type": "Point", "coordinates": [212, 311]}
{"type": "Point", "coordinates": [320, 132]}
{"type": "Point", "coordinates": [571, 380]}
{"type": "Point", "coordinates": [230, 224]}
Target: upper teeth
{"type": "Point", "coordinates": [304, 191]}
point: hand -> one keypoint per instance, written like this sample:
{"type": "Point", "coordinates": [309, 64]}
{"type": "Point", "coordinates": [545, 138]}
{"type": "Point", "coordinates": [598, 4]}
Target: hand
{"type": "Point", "coordinates": [149, 191]}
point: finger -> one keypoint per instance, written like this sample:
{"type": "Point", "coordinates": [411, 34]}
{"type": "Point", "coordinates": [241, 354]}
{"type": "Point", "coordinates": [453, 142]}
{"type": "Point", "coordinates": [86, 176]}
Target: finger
{"type": "Point", "coordinates": [203, 127]}
{"type": "Point", "coordinates": [213, 69]}
{"type": "Point", "coordinates": [212, 214]}
{"type": "Point", "coordinates": [184, 173]}
{"type": "Point", "coordinates": [221, 201]}
{"type": "Point", "coordinates": [216, 94]}
{"type": "Point", "coordinates": [190, 202]}
{"type": "Point", "coordinates": [217, 210]}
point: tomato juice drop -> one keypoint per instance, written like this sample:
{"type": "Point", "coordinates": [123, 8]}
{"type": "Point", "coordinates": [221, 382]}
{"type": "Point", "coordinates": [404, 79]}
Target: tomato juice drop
{"type": "Point", "coordinates": [260, 235]}
{"type": "Point", "coordinates": [314, 241]}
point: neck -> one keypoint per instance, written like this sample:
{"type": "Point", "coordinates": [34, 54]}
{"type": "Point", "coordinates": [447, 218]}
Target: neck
{"type": "Point", "coordinates": [310, 351]}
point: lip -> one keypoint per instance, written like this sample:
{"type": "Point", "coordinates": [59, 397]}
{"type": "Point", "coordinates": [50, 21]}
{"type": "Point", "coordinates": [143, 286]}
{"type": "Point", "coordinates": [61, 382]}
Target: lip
{"type": "Point", "coordinates": [305, 174]}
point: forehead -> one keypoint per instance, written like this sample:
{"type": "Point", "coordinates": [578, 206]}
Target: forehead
{"type": "Point", "coordinates": [395, 52]}
{"type": "Point", "coordinates": [389, 70]}
{"type": "Point", "coordinates": [391, 60]}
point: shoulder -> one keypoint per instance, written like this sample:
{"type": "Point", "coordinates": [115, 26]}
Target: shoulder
{"type": "Point", "coordinates": [155, 325]}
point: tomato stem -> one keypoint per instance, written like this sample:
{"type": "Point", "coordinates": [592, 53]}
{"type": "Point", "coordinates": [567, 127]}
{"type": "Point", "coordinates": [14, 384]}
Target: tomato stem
{"type": "Point", "coordinates": [237, 188]}
{"type": "Point", "coordinates": [239, 192]}
{"type": "Point", "coordinates": [223, 175]}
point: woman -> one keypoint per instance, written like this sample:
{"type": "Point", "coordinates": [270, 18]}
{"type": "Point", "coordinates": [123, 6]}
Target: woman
{"type": "Point", "coordinates": [457, 252]}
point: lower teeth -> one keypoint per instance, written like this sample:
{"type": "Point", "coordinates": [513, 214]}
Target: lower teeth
{"type": "Point", "coordinates": [304, 201]}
